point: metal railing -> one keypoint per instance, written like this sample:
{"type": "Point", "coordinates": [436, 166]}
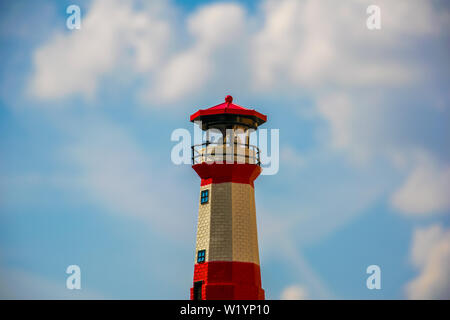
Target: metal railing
{"type": "Point", "coordinates": [211, 152]}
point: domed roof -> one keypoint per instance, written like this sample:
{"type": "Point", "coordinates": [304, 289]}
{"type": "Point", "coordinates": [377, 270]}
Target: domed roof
{"type": "Point", "coordinates": [228, 107]}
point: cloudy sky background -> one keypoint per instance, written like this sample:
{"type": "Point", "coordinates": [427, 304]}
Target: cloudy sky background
{"type": "Point", "coordinates": [86, 118]}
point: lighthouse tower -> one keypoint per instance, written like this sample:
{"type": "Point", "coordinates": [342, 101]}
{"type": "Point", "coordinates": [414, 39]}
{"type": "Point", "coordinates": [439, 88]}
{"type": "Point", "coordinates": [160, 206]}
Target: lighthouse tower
{"type": "Point", "coordinates": [227, 257]}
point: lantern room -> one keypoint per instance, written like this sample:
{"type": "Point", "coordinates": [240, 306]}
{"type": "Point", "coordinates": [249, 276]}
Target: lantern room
{"type": "Point", "coordinates": [228, 127]}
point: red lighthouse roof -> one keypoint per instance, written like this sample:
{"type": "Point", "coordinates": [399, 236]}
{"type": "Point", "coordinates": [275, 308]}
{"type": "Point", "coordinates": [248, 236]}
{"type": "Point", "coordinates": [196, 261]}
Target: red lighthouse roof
{"type": "Point", "coordinates": [228, 107]}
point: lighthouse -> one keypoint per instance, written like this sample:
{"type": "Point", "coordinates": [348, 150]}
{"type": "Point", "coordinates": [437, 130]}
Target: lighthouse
{"type": "Point", "coordinates": [226, 254]}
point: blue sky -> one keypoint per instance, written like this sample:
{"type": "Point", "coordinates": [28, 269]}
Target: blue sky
{"type": "Point", "coordinates": [86, 118]}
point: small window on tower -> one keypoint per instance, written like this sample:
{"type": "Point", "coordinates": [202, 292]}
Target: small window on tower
{"type": "Point", "coordinates": [201, 256]}
{"type": "Point", "coordinates": [204, 196]}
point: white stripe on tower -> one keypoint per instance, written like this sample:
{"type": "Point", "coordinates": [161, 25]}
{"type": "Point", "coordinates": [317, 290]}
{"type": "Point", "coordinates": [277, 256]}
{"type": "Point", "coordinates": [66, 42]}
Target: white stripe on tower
{"type": "Point", "coordinates": [227, 223]}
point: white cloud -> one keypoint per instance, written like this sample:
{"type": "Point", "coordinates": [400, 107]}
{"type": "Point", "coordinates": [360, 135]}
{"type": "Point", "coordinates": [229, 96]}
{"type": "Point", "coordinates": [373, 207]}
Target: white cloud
{"type": "Point", "coordinates": [185, 73]}
{"type": "Point", "coordinates": [315, 44]}
{"type": "Point", "coordinates": [352, 73]}
{"type": "Point", "coordinates": [115, 36]}
{"type": "Point", "coordinates": [294, 292]}
{"type": "Point", "coordinates": [375, 131]}
{"type": "Point", "coordinates": [217, 25]}
{"type": "Point", "coordinates": [425, 191]}
{"type": "Point", "coordinates": [213, 29]}
{"type": "Point", "coordinates": [307, 44]}
{"type": "Point", "coordinates": [430, 253]}
{"type": "Point", "coordinates": [112, 35]}
{"type": "Point", "coordinates": [358, 126]}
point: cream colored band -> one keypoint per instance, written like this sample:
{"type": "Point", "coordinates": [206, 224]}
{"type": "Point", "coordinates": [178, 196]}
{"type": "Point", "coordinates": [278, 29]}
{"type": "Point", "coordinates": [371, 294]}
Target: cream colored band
{"type": "Point", "coordinates": [227, 223]}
